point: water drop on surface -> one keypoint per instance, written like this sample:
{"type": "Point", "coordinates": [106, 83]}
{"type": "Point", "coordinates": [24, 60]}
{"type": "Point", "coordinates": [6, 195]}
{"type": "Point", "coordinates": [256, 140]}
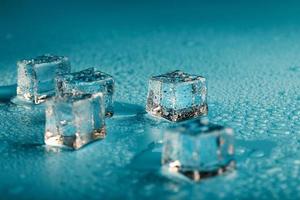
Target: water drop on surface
{"type": "Point", "coordinates": [257, 154]}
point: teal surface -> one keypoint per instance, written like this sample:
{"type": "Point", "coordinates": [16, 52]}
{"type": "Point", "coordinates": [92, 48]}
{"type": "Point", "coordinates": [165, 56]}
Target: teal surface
{"type": "Point", "coordinates": [248, 51]}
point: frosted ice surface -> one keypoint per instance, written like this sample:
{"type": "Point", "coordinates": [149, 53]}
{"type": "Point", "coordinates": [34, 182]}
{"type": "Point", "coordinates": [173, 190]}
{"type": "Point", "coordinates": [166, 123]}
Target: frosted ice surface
{"type": "Point", "coordinates": [36, 77]}
{"type": "Point", "coordinates": [177, 96]}
{"type": "Point", "coordinates": [198, 149]}
{"type": "Point", "coordinates": [74, 121]}
{"type": "Point", "coordinates": [87, 81]}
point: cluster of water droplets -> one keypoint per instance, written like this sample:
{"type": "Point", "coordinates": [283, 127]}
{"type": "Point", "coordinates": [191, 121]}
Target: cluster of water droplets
{"type": "Point", "coordinates": [253, 86]}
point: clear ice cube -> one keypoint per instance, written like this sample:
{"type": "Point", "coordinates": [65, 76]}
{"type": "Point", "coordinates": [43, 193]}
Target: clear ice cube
{"type": "Point", "coordinates": [177, 96]}
{"type": "Point", "coordinates": [74, 121]}
{"type": "Point", "coordinates": [36, 77]}
{"type": "Point", "coordinates": [87, 81]}
{"type": "Point", "coordinates": [198, 149]}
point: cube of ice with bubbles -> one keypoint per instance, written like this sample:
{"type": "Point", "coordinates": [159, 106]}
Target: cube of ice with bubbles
{"type": "Point", "coordinates": [197, 149]}
{"type": "Point", "coordinates": [87, 81]}
{"type": "Point", "coordinates": [36, 77]}
{"type": "Point", "coordinates": [74, 121]}
{"type": "Point", "coordinates": [177, 96]}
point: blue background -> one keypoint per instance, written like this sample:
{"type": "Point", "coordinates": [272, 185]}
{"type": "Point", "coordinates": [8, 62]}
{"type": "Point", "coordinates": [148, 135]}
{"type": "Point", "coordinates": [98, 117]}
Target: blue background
{"type": "Point", "coordinates": [247, 50]}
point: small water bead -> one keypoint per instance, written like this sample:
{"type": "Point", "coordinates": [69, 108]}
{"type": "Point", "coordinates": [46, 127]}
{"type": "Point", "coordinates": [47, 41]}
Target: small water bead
{"type": "Point", "coordinates": [278, 132]}
{"type": "Point", "coordinates": [261, 131]}
{"type": "Point", "coordinates": [249, 124]}
{"type": "Point", "coordinates": [240, 150]}
{"type": "Point", "coordinates": [139, 130]}
{"type": "Point", "coordinates": [257, 154]}
{"type": "Point", "coordinates": [234, 124]}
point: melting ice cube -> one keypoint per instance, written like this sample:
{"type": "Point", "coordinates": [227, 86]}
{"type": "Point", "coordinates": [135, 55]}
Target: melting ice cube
{"type": "Point", "coordinates": [177, 96]}
{"type": "Point", "coordinates": [36, 77]}
{"type": "Point", "coordinates": [87, 81]}
{"type": "Point", "coordinates": [74, 121]}
{"type": "Point", "coordinates": [198, 149]}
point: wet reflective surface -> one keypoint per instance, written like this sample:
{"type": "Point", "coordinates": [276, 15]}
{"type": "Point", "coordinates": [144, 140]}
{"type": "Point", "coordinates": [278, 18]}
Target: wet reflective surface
{"type": "Point", "coordinates": [249, 55]}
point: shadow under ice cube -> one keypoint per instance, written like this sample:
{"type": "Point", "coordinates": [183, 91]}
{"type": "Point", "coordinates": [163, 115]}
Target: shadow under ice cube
{"type": "Point", "coordinates": [36, 77]}
{"type": "Point", "coordinates": [74, 122]}
{"type": "Point", "coordinates": [87, 81]}
{"type": "Point", "coordinates": [177, 96]}
{"type": "Point", "coordinates": [198, 149]}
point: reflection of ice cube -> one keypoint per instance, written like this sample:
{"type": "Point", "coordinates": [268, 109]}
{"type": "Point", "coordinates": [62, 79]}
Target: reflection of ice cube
{"type": "Point", "coordinates": [87, 81]}
{"type": "Point", "coordinates": [36, 77]}
{"type": "Point", "coordinates": [198, 149]}
{"type": "Point", "coordinates": [74, 121]}
{"type": "Point", "coordinates": [177, 96]}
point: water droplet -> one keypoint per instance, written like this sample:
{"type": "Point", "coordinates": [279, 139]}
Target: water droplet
{"type": "Point", "coordinates": [257, 154]}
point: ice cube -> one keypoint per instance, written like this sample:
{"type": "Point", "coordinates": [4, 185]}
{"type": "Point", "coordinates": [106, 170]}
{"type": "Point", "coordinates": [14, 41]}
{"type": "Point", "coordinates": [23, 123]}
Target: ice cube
{"type": "Point", "coordinates": [36, 77]}
{"type": "Point", "coordinates": [177, 96]}
{"type": "Point", "coordinates": [87, 81]}
{"type": "Point", "coordinates": [197, 149]}
{"type": "Point", "coordinates": [74, 121]}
